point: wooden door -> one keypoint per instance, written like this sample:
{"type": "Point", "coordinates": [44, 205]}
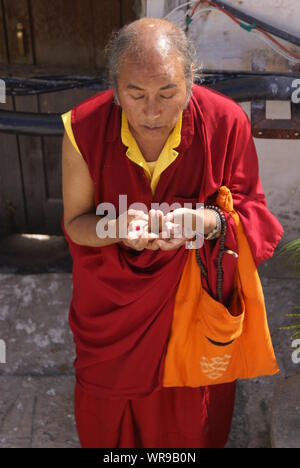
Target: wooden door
{"type": "Point", "coordinates": [42, 37]}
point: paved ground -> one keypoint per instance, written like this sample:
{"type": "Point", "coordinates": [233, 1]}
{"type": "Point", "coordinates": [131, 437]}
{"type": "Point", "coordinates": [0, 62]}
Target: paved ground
{"type": "Point", "coordinates": [37, 381]}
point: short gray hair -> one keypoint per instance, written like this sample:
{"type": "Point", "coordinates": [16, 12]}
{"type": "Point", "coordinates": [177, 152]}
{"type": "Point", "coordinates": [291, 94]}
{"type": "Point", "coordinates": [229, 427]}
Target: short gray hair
{"type": "Point", "coordinates": [125, 41]}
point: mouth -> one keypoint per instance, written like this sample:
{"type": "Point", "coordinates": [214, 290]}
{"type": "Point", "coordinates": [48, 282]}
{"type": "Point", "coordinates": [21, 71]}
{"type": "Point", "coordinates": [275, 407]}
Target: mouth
{"type": "Point", "coordinates": [152, 129]}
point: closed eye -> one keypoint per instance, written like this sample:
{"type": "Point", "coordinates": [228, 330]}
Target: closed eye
{"type": "Point", "coordinates": [142, 97]}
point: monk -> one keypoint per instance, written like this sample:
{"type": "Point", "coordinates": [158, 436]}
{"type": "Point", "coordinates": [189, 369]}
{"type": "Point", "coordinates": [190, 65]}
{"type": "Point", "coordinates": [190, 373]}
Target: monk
{"type": "Point", "coordinates": [154, 137]}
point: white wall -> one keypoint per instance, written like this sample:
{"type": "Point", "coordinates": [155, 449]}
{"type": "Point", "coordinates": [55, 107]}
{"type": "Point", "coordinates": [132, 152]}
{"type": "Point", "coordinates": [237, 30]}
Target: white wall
{"type": "Point", "coordinates": [221, 44]}
{"type": "Point", "coordinates": [219, 39]}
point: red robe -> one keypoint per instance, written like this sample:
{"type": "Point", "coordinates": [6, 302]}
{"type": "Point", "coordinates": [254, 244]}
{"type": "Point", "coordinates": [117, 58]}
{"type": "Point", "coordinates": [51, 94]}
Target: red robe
{"type": "Point", "coordinates": [122, 303]}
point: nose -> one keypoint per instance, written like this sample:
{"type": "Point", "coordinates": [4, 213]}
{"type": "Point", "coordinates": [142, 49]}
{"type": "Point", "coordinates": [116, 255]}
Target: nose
{"type": "Point", "coordinates": [152, 110]}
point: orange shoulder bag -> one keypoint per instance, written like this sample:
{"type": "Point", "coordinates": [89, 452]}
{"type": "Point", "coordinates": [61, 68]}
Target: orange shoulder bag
{"type": "Point", "coordinates": [210, 343]}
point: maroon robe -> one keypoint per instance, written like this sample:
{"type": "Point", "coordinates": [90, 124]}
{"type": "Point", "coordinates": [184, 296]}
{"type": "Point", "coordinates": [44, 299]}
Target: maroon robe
{"type": "Point", "coordinates": [122, 303]}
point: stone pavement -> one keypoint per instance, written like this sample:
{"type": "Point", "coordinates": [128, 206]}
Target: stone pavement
{"type": "Point", "coordinates": [37, 380]}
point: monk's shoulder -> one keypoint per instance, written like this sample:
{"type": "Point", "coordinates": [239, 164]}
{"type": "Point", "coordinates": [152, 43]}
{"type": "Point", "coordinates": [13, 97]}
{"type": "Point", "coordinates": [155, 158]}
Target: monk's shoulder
{"type": "Point", "coordinates": [89, 108]}
{"type": "Point", "coordinates": [94, 121]}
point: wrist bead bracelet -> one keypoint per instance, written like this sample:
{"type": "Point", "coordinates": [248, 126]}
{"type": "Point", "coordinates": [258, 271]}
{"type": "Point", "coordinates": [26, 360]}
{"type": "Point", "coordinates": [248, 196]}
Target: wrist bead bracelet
{"type": "Point", "coordinates": [216, 231]}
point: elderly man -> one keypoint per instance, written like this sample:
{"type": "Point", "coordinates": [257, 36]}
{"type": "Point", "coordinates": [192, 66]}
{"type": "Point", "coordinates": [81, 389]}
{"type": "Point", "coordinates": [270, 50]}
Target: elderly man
{"type": "Point", "coordinates": [154, 137]}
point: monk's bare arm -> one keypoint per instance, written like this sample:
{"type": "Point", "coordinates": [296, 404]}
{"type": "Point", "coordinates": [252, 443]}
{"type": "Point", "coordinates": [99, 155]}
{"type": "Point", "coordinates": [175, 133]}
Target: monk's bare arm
{"type": "Point", "coordinates": [80, 217]}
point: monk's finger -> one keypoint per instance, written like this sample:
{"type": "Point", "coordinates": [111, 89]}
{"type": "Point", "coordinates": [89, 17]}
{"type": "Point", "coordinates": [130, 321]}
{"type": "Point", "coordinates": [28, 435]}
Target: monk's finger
{"type": "Point", "coordinates": [138, 245]}
{"type": "Point", "coordinates": [163, 245]}
{"type": "Point", "coordinates": [152, 245]}
{"type": "Point", "coordinates": [152, 236]}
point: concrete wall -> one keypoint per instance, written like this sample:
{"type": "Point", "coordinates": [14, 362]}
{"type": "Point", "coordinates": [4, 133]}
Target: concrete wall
{"type": "Point", "coordinates": [221, 44]}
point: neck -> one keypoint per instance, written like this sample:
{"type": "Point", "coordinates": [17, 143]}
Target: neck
{"type": "Point", "coordinates": [150, 149]}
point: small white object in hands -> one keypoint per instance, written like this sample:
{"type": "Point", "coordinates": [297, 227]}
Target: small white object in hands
{"type": "Point", "coordinates": [136, 228]}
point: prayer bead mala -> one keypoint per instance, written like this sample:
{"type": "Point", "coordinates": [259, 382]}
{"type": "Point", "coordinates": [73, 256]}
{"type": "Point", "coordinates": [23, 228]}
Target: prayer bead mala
{"type": "Point", "coordinates": [220, 254]}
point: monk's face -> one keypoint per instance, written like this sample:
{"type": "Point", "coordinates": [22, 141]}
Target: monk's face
{"type": "Point", "coordinates": [152, 94]}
